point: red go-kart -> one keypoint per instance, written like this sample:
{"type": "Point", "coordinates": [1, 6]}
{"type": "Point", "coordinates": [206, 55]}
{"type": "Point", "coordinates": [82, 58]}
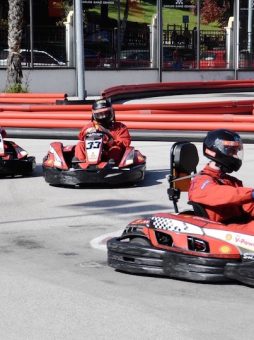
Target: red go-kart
{"type": "Point", "coordinates": [14, 161]}
{"type": "Point", "coordinates": [61, 168]}
{"type": "Point", "coordinates": [185, 245]}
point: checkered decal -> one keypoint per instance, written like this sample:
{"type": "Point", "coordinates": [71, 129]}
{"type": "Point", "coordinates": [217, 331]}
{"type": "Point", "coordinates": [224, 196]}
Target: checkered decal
{"type": "Point", "coordinates": [174, 225]}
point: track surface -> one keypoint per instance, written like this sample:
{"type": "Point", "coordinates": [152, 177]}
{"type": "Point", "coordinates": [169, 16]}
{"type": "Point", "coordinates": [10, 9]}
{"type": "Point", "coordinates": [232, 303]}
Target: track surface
{"type": "Point", "coordinates": [55, 285]}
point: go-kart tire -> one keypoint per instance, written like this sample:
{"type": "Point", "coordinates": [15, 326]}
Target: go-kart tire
{"type": "Point", "coordinates": [141, 241]}
{"type": "Point", "coordinates": [135, 257]}
{"type": "Point", "coordinates": [31, 164]}
{"type": "Point", "coordinates": [138, 256]}
{"type": "Point", "coordinates": [195, 268]}
{"type": "Point", "coordinates": [241, 272]}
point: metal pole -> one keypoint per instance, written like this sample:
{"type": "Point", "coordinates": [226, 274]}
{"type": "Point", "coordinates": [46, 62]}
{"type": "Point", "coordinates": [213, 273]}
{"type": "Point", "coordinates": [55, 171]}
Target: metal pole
{"type": "Point", "coordinates": [236, 36]}
{"type": "Point", "coordinates": [31, 32]}
{"type": "Point", "coordinates": [198, 34]}
{"type": "Point", "coordinates": [250, 9]}
{"type": "Point", "coordinates": [119, 34]}
{"type": "Point", "coordinates": [80, 59]}
{"type": "Point", "coordinates": [159, 38]}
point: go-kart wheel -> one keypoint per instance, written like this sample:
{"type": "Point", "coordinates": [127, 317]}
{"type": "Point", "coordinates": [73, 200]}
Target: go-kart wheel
{"type": "Point", "coordinates": [140, 241]}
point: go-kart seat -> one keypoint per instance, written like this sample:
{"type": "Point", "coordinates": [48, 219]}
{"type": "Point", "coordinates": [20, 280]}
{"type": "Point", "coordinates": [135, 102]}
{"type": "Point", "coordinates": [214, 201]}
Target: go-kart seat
{"type": "Point", "coordinates": [183, 164]}
{"type": "Point", "coordinates": [198, 209]}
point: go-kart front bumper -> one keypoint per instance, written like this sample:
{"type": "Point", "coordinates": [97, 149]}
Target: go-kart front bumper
{"type": "Point", "coordinates": [14, 167]}
{"type": "Point", "coordinates": [110, 176]}
{"type": "Point", "coordinates": [137, 259]}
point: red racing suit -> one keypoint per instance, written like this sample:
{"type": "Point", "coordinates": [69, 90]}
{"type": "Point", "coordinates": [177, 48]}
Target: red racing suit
{"type": "Point", "coordinates": [223, 196]}
{"type": "Point", "coordinates": [115, 150]}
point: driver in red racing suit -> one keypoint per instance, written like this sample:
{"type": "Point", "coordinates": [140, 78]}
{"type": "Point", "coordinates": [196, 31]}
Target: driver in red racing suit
{"type": "Point", "coordinates": [117, 136]}
{"type": "Point", "coordinates": [223, 196]}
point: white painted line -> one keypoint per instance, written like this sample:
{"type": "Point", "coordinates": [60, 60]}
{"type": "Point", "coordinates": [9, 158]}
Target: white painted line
{"type": "Point", "coordinates": [100, 242]}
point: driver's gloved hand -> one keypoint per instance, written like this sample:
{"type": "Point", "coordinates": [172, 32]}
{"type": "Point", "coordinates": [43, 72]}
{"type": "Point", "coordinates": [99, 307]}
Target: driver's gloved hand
{"type": "Point", "coordinates": [108, 140]}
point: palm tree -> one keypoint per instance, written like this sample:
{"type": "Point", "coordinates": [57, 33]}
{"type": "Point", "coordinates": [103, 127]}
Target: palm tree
{"type": "Point", "coordinates": [15, 23]}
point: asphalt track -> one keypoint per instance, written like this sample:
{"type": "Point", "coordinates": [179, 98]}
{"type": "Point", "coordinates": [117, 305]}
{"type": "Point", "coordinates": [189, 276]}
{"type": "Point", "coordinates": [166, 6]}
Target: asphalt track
{"type": "Point", "coordinates": [55, 283]}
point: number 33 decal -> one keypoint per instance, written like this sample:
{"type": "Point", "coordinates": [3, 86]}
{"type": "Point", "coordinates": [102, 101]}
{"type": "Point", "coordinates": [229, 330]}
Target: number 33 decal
{"type": "Point", "coordinates": [93, 145]}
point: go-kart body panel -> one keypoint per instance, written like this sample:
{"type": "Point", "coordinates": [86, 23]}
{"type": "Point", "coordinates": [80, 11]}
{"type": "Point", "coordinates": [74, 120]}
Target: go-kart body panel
{"type": "Point", "coordinates": [186, 247]}
{"type": "Point", "coordinates": [14, 160]}
{"type": "Point", "coordinates": [60, 169]}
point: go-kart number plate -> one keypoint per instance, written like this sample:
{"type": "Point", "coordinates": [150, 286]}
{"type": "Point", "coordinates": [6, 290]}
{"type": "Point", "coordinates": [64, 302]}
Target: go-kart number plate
{"type": "Point", "coordinates": [1, 146]}
{"type": "Point", "coordinates": [93, 150]}
{"type": "Point", "coordinates": [93, 144]}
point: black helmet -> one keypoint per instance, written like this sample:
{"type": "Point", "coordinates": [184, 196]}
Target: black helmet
{"type": "Point", "coordinates": [102, 112]}
{"type": "Point", "coordinates": [225, 148]}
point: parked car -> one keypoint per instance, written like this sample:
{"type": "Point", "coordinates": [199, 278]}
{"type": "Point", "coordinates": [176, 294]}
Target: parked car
{"type": "Point", "coordinates": [178, 58]}
{"type": "Point", "coordinates": [135, 58]}
{"type": "Point", "coordinates": [93, 58]}
{"type": "Point", "coordinates": [246, 59]}
{"type": "Point", "coordinates": [213, 59]}
{"type": "Point", "coordinates": [40, 58]}
{"type": "Point", "coordinates": [142, 59]}
{"type": "Point", "coordinates": [132, 58]}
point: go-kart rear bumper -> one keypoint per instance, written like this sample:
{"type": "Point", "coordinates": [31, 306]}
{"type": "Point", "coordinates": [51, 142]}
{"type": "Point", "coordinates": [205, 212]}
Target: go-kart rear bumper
{"type": "Point", "coordinates": [17, 166]}
{"type": "Point", "coordinates": [111, 176]}
{"type": "Point", "coordinates": [138, 259]}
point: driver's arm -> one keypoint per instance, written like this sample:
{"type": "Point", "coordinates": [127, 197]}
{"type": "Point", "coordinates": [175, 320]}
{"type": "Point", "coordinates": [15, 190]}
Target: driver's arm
{"type": "Point", "coordinates": [122, 137]}
{"type": "Point", "coordinates": [83, 131]}
{"type": "Point", "coordinates": [205, 190]}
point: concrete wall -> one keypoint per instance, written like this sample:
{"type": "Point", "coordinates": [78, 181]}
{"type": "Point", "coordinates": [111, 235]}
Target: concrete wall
{"type": "Point", "coordinates": [64, 80]}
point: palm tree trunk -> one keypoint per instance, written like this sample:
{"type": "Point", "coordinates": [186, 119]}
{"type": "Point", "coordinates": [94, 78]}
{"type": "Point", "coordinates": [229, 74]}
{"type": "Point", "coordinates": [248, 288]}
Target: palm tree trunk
{"type": "Point", "coordinates": [15, 25]}
{"type": "Point", "coordinates": [124, 21]}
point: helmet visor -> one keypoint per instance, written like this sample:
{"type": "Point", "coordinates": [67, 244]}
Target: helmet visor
{"type": "Point", "coordinates": [102, 114]}
{"type": "Point", "coordinates": [230, 148]}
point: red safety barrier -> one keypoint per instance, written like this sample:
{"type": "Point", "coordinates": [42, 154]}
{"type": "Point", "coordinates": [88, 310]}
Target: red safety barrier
{"type": "Point", "coordinates": [29, 100]}
{"type": "Point", "coordinates": [183, 106]}
{"type": "Point", "coordinates": [45, 115]}
{"type": "Point", "coordinates": [42, 123]}
{"type": "Point", "coordinates": [215, 107]}
{"type": "Point", "coordinates": [172, 86]}
{"type": "Point", "coordinates": [131, 117]}
{"type": "Point", "coordinates": [216, 110]}
{"type": "Point", "coordinates": [40, 111]}
{"type": "Point", "coordinates": [33, 95]}
{"type": "Point", "coordinates": [188, 126]}
{"type": "Point", "coordinates": [41, 107]}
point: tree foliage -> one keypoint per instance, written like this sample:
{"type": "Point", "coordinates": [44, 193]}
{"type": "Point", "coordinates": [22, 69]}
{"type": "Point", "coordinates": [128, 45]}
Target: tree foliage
{"type": "Point", "coordinates": [215, 10]}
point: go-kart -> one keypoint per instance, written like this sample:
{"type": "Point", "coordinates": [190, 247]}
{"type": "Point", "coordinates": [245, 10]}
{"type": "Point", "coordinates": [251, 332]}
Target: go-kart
{"type": "Point", "coordinates": [60, 167]}
{"type": "Point", "coordinates": [184, 245]}
{"type": "Point", "coordinates": [14, 161]}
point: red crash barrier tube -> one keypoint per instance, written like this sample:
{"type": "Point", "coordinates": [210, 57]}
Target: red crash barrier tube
{"type": "Point", "coordinates": [220, 84]}
{"type": "Point", "coordinates": [203, 111]}
{"type": "Point", "coordinates": [42, 123]}
{"type": "Point", "coordinates": [33, 95]}
{"type": "Point", "coordinates": [135, 115]}
{"type": "Point", "coordinates": [202, 126]}
{"type": "Point", "coordinates": [178, 106]}
{"type": "Point", "coordinates": [69, 110]}
{"type": "Point", "coordinates": [41, 107]}
{"type": "Point", "coordinates": [45, 115]}
{"type": "Point", "coordinates": [28, 100]}
{"type": "Point", "coordinates": [131, 117]}
{"type": "Point", "coordinates": [148, 108]}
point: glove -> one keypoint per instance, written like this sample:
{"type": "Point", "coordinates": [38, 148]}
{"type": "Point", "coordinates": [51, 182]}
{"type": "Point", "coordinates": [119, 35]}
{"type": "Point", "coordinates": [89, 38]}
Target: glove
{"type": "Point", "coordinates": [108, 140]}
